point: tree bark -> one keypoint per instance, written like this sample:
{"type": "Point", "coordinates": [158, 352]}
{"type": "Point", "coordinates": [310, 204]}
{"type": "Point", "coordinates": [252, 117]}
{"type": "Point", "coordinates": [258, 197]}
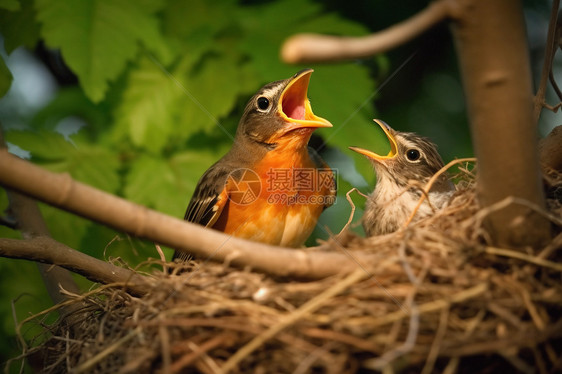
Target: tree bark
{"type": "Point", "coordinates": [61, 191]}
{"type": "Point", "coordinates": [496, 73]}
{"type": "Point", "coordinates": [47, 252]}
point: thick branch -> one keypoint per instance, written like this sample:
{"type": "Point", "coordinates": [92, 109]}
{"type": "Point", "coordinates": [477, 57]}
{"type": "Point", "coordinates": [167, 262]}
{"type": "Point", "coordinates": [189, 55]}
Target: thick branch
{"type": "Point", "coordinates": [48, 252]}
{"type": "Point", "coordinates": [63, 192]}
{"type": "Point", "coordinates": [306, 48]}
{"type": "Point", "coordinates": [492, 49]}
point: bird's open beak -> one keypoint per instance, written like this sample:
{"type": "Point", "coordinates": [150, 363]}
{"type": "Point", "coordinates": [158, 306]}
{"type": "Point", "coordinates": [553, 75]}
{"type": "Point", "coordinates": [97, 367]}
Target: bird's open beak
{"type": "Point", "coordinates": [294, 106]}
{"type": "Point", "coordinates": [393, 146]}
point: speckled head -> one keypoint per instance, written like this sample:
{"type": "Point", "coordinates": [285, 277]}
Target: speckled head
{"type": "Point", "coordinates": [411, 157]}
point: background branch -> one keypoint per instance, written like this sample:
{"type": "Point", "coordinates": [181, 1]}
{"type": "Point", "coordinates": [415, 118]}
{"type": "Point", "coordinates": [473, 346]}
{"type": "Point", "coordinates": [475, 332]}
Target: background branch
{"type": "Point", "coordinates": [31, 224]}
{"type": "Point", "coordinates": [552, 44]}
{"type": "Point", "coordinates": [48, 251]}
{"type": "Point", "coordinates": [29, 221]}
{"type": "Point", "coordinates": [62, 191]}
{"type": "Point", "coordinates": [307, 48]}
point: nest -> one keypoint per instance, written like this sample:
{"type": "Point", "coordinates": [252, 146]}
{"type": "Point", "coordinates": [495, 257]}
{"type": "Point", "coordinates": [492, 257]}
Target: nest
{"type": "Point", "coordinates": [434, 298]}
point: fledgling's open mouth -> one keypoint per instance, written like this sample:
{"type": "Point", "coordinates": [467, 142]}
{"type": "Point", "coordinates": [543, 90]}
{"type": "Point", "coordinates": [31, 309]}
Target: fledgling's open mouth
{"type": "Point", "coordinates": [375, 156]}
{"type": "Point", "coordinates": [294, 106]}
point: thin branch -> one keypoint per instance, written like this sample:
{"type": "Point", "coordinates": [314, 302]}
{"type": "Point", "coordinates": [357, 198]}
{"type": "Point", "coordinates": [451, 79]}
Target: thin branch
{"type": "Point", "coordinates": [428, 307]}
{"type": "Point", "coordinates": [223, 339]}
{"type": "Point", "coordinates": [306, 48]}
{"type": "Point", "coordinates": [48, 251]}
{"type": "Point", "coordinates": [523, 257]}
{"type": "Point", "coordinates": [352, 214]}
{"type": "Point", "coordinates": [554, 84]}
{"type": "Point", "coordinates": [551, 47]}
{"type": "Point", "coordinates": [432, 180]}
{"type": "Point", "coordinates": [62, 191]}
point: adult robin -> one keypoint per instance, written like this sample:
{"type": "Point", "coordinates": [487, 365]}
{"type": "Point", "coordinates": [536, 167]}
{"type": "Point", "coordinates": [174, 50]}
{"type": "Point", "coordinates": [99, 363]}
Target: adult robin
{"type": "Point", "coordinates": [270, 187]}
{"type": "Point", "coordinates": [401, 175]}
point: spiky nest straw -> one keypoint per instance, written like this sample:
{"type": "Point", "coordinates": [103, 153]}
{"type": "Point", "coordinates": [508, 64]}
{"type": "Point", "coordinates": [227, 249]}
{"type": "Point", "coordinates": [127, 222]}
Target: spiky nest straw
{"type": "Point", "coordinates": [434, 299]}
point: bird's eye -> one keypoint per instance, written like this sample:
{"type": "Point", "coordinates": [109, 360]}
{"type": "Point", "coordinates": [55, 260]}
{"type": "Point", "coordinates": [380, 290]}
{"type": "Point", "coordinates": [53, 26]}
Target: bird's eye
{"type": "Point", "coordinates": [413, 154]}
{"type": "Point", "coordinates": [263, 103]}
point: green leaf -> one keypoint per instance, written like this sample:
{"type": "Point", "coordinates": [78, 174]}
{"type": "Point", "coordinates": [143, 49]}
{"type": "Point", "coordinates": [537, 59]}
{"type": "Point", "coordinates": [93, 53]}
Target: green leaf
{"type": "Point", "coordinates": [19, 27]}
{"type": "Point", "coordinates": [183, 19]}
{"type": "Point", "coordinates": [97, 37]}
{"type": "Point", "coordinates": [189, 166]}
{"type": "Point", "coordinates": [102, 242]}
{"type": "Point", "coordinates": [90, 164]}
{"type": "Point", "coordinates": [161, 106]}
{"type": "Point", "coordinates": [166, 185]}
{"type": "Point", "coordinates": [44, 146]}
{"type": "Point", "coordinates": [71, 101]}
{"type": "Point", "coordinates": [147, 110]}
{"type": "Point", "coordinates": [5, 78]}
{"type": "Point", "coordinates": [149, 181]}
{"type": "Point", "coordinates": [266, 26]}
{"type": "Point", "coordinates": [11, 5]}
{"type": "Point", "coordinates": [211, 93]}
{"type": "Point", "coordinates": [95, 166]}
{"type": "Point", "coordinates": [66, 227]}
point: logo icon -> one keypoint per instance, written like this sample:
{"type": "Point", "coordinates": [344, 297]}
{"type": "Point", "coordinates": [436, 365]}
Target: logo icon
{"type": "Point", "coordinates": [244, 186]}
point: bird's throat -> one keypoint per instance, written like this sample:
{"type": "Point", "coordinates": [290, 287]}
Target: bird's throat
{"type": "Point", "coordinates": [294, 141]}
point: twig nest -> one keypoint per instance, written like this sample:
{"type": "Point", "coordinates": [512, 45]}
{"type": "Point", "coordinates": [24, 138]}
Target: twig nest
{"type": "Point", "coordinates": [434, 298]}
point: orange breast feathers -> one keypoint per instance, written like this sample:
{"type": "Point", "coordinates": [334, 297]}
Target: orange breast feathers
{"type": "Point", "coordinates": [276, 204]}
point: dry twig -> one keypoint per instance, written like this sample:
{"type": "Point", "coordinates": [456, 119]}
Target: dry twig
{"type": "Point", "coordinates": [305, 48]}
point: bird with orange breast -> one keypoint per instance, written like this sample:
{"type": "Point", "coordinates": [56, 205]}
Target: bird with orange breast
{"type": "Point", "coordinates": [408, 166]}
{"type": "Point", "coordinates": [270, 187]}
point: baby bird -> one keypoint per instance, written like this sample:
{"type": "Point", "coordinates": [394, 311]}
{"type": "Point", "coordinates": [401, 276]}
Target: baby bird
{"type": "Point", "coordinates": [401, 175]}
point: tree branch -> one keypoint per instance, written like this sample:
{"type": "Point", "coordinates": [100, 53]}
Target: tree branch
{"type": "Point", "coordinates": [61, 191]}
{"type": "Point", "coordinates": [494, 61]}
{"type": "Point", "coordinates": [29, 221]}
{"type": "Point", "coordinates": [31, 225]}
{"type": "Point", "coordinates": [552, 44]}
{"type": "Point", "coordinates": [48, 252]}
{"type": "Point", "coordinates": [306, 48]}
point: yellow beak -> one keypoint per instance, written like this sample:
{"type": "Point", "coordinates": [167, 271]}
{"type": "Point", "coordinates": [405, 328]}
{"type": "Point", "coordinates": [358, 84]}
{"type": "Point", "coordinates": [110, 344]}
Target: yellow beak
{"type": "Point", "coordinates": [393, 146]}
{"type": "Point", "coordinates": [294, 106]}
